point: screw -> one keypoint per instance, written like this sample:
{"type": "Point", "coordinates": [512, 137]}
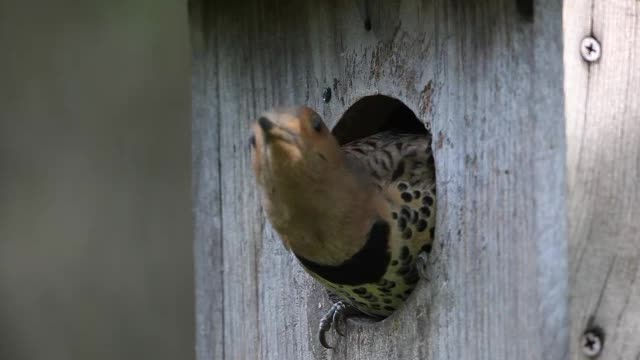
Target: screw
{"type": "Point", "coordinates": [326, 95]}
{"type": "Point", "coordinates": [592, 342]}
{"type": "Point", "coordinates": [590, 49]}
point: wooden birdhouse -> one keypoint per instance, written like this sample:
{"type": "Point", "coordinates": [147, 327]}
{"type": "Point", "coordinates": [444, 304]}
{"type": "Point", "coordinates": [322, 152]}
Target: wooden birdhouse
{"type": "Point", "coordinates": [486, 80]}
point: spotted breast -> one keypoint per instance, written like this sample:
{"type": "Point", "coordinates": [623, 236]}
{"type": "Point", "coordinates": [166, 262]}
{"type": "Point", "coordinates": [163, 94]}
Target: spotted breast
{"type": "Point", "coordinates": [401, 166]}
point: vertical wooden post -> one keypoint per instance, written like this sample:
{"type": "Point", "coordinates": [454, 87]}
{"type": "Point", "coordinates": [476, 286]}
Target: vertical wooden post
{"type": "Point", "coordinates": [485, 80]}
{"type": "Point", "coordinates": [603, 136]}
{"type": "Point", "coordinates": [206, 188]}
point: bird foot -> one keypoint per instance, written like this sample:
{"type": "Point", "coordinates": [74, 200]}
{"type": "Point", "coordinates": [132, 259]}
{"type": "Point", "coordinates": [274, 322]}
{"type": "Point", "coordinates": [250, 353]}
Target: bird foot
{"type": "Point", "coordinates": [421, 264]}
{"type": "Point", "coordinates": [335, 317]}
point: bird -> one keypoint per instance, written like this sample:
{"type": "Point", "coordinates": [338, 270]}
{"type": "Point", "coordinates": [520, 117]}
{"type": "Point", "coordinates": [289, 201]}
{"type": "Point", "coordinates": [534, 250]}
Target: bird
{"type": "Point", "coordinates": [359, 217]}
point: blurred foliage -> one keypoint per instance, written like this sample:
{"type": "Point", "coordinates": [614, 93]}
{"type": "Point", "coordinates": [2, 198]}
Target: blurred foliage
{"type": "Point", "coordinates": [95, 212]}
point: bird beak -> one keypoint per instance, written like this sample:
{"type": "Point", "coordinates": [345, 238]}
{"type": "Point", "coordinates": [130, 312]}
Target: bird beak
{"type": "Point", "coordinates": [265, 124]}
{"type": "Point", "coordinates": [273, 131]}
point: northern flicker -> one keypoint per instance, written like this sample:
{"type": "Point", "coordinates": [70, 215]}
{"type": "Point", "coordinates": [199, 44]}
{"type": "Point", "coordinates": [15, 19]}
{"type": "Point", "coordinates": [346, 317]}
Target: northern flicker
{"type": "Point", "coordinates": [359, 218]}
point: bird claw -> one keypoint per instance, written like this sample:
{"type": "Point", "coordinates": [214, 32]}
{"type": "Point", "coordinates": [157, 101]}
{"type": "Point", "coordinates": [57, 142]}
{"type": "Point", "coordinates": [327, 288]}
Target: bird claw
{"type": "Point", "coordinates": [421, 264]}
{"type": "Point", "coordinates": [339, 319]}
{"type": "Point", "coordinates": [324, 327]}
{"type": "Point", "coordinates": [332, 318]}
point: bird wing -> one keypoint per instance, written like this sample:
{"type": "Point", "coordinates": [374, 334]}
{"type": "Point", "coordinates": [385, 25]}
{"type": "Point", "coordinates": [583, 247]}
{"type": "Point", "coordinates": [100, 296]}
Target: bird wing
{"type": "Point", "coordinates": [392, 158]}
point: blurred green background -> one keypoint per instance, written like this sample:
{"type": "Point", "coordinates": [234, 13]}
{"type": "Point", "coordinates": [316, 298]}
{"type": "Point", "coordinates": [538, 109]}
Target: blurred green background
{"type": "Point", "coordinates": [95, 209]}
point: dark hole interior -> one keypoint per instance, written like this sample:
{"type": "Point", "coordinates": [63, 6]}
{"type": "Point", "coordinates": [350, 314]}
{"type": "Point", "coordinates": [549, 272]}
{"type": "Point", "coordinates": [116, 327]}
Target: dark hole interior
{"type": "Point", "coordinates": [525, 9]}
{"type": "Point", "coordinates": [373, 114]}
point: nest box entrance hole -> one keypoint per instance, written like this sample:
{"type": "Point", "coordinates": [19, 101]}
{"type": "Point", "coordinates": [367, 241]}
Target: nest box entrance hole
{"type": "Point", "coordinates": [376, 113]}
{"type": "Point", "coordinates": [371, 115]}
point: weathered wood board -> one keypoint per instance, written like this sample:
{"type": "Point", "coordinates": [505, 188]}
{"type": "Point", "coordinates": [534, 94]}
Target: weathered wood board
{"type": "Point", "coordinates": [603, 140]}
{"type": "Point", "coordinates": [486, 80]}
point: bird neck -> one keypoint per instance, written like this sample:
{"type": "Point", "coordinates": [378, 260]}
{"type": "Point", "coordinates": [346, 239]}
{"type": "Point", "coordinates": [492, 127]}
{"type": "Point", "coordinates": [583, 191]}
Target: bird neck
{"type": "Point", "coordinates": [327, 221]}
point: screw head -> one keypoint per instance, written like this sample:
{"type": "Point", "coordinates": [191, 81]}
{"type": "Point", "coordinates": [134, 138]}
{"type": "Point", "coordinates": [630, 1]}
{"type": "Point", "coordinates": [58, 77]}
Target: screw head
{"type": "Point", "coordinates": [591, 343]}
{"type": "Point", "coordinates": [590, 49]}
{"type": "Point", "coordinates": [326, 95]}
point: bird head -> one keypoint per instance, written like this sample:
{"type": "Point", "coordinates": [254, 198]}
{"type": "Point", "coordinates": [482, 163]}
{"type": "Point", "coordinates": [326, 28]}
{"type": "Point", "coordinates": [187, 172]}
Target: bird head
{"type": "Point", "coordinates": [293, 145]}
{"type": "Point", "coordinates": [310, 192]}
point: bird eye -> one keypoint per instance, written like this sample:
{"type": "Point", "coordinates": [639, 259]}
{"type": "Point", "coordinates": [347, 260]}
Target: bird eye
{"type": "Point", "coordinates": [316, 123]}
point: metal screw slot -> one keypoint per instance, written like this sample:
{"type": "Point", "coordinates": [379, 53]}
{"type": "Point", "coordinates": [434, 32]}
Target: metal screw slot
{"type": "Point", "coordinates": [590, 49]}
{"type": "Point", "coordinates": [592, 342]}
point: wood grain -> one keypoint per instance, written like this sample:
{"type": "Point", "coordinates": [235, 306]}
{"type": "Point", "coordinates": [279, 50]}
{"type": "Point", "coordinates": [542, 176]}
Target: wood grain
{"type": "Point", "coordinates": [489, 85]}
{"type": "Point", "coordinates": [206, 188]}
{"type": "Point", "coordinates": [603, 139]}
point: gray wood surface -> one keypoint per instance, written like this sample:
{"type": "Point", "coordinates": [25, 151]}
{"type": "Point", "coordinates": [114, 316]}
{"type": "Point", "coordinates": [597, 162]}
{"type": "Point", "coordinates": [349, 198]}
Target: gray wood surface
{"type": "Point", "coordinates": [603, 139]}
{"type": "Point", "coordinates": [206, 187]}
{"type": "Point", "coordinates": [489, 85]}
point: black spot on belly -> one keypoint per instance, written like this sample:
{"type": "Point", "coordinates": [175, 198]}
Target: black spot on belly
{"type": "Point", "coordinates": [416, 194]}
{"type": "Point", "coordinates": [386, 286]}
{"type": "Point", "coordinates": [425, 211]}
{"type": "Point", "coordinates": [414, 217]}
{"type": "Point", "coordinates": [421, 226]}
{"type": "Point", "coordinates": [406, 197]}
{"type": "Point", "coordinates": [426, 248]}
{"type": "Point", "coordinates": [404, 270]}
{"type": "Point", "coordinates": [402, 223]}
{"type": "Point", "coordinates": [390, 308]}
{"type": "Point", "coordinates": [375, 306]}
{"type": "Point", "coordinates": [404, 253]}
{"type": "Point", "coordinates": [402, 187]}
{"type": "Point", "coordinates": [360, 291]}
{"type": "Point", "coordinates": [427, 200]}
{"type": "Point", "coordinates": [405, 212]}
{"type": "Point", "coordinates": [370, 298]}
{"type": "Point", "coordinates": [394, 215]}
{"type": "Point", "coordinates": [398, 171]}
{"type": "Point", "coordinates": [387, 301]}
{"type": "Point", "coordinates": [407, 233]}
